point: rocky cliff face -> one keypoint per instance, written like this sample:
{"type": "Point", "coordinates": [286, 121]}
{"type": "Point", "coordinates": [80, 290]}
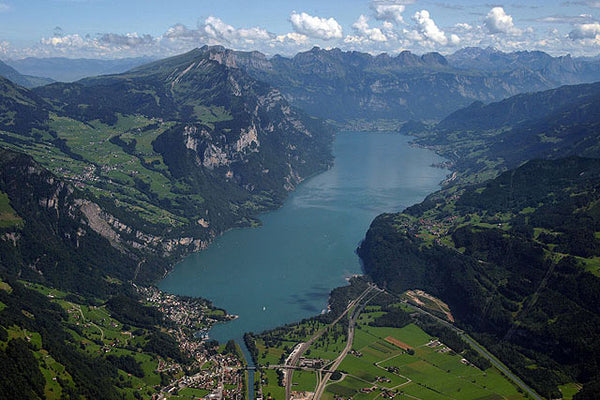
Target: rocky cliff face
{"type": "Point", "coordinates": [183, 149]}
{"type": "Point", "coordinates": [59, 219]}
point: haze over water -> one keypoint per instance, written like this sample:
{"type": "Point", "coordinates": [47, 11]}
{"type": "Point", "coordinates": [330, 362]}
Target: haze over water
{"type": "Point", "coordinates": [284, 270]}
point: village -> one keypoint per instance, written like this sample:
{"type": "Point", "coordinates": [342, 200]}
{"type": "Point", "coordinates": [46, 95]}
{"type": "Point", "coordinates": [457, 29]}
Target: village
{"type": "Point", "coordinates": [216, 374]}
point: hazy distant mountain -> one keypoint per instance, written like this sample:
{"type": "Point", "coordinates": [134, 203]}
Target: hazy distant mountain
{"type": "Point", "coordinates": [558, 70]}
{"type": "Point", "coordinates": [346, 86]}
{"type": "Point", "coordinates": [15, 76]}
{"type": "Point", "coordinates": [69, 69]}
{"type": "Point", "coordinates": [555, 123]}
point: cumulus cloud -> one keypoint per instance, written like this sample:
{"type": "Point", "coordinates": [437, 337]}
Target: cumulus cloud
{"type": "Point", "coordinates": [586, 31]}
{"type": "Point", "coordinates": [463, 26]}
{"type": "Point", "coordinates": [218, 32]}
{"type": "Point", "coordinates": [292, 37]}
{"type": "Point", "coordinates": [383, 29]}
{"type": "Point", "coordinates": [176, 39]}
{"type": "Point", "coordinates": [361, 27]}
{"type": "Point", "coordinates": [107, 44]}
{"type": "Point", "coordinates": [67, 41]}
{"type": "Point", "coordinates": [389, 12]}
{"type": "Point", "coordinates": [181, 32]}
{"type": "Point", "coordinates": [316, 27]}
{"type": "Point", "coordinates": [498, 21]}
{"type": "Point", "coordinates": [428, 30]}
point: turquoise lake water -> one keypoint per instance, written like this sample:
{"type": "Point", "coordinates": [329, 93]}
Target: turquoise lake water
{"type": "Point", "coordinates": [284, 270]}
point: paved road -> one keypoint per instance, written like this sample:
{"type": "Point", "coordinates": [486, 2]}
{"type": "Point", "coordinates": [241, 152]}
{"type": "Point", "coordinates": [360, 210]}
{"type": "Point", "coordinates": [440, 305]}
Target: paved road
{"type": "Point", "coordinates": [351, 326]}
{"type": "Point", "coordinates": [484, 353]}
{"type": "Point", "coordinates": [501, 367]}
{"type": "Point", "coordinates": [304, 346]}
{"type": "Point", "coordinates": [91, 322]}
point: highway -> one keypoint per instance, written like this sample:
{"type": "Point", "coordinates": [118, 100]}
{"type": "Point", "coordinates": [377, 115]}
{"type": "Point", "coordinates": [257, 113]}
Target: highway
{"type": "Point", "coordinates": [484, 353]}
{"type": "Point", "coordinates": [325, 373]}
{"type": "Point", "coordinates": [501, 367]}
{"type": "Point", "coordinates": [292, 361]}
{"type": "Point", "coordinates": [351, 326]}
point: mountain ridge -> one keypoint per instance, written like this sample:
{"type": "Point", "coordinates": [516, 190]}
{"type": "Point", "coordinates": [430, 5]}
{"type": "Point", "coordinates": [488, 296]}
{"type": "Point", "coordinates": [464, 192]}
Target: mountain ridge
{"type": "Point", "coordinates": [514, 259]}
{"type": "Point", "coordinates": [173, 153]}
{"type": "Point", "coordinates": [349, 85]}
{"type": "Point", "coordinates": [27, 81]}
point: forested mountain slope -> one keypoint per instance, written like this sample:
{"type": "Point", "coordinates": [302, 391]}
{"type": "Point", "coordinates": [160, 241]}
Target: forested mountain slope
{"type": "Point", "coordinates": [173, 153]}
{"type": "Point", "coordinates": [103, 185]}
{"type": "Point", "coordinates": [483, 140]}
{"type": "Point", "coordinates": [516, 258]}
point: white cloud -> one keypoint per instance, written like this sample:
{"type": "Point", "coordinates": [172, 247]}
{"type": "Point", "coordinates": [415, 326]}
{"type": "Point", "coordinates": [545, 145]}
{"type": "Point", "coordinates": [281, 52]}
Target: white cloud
{"type": "Point", "coordinates": [218, 32]}
{"type": "Point", "coordinates": [4, 7]}
{"type": "Point", "coordinates": [463, 26]}
{"type": "Point", "coordinates": [428, 30]}
{"type": "Point", "coordinates": [108, 44]}
{"type": "Point", "coordinates": [4, 47]}
{"type": "Point", "coordinates": [66, 41]}
{"type": "Point", "coordinates": [566, 19]}
{"type": "Point", "coordinates": [292, 37]}
{"type": "Point", "coordinates": [361, 26]}
{"type": "Point", "coordinates": [498, 21]}
{"type": "Point", "coordinates": [586, 31]}
{"type": "Point", "coordinates": [176, 39]}
{"type": "Point", "coordinates": [389, 12]}
{"type": "Point", "coordinates": [181, 32]}
{"type": "Point", "coordinates": [316, 27]}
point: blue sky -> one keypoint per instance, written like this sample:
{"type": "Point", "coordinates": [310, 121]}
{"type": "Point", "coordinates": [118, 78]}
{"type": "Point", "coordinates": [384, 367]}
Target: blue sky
{"type": "Point", "coordinates": [114, 29]}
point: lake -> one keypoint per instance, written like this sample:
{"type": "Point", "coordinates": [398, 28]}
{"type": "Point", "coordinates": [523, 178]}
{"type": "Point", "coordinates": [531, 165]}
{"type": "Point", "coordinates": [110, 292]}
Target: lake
{"type": "Point", "coordinates": [284, 270]}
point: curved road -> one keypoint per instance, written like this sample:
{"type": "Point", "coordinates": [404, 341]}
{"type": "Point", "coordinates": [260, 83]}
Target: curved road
{"type": "Point", "coordinates": [351, 325]}
{"type": "Point", "coordinates": [304, 346]}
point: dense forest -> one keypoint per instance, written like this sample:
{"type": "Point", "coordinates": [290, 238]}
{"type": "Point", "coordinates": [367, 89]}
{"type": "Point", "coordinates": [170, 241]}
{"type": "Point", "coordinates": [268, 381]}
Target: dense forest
{"type": "Point", "coordinates": [515, 259]}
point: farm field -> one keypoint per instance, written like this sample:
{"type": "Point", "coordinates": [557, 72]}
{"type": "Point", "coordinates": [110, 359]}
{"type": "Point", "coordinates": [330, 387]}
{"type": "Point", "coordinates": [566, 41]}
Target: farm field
{"type": "Point", "coordinates": [383, 362]}
{"type": "Point", "coordinates": [376, 366]}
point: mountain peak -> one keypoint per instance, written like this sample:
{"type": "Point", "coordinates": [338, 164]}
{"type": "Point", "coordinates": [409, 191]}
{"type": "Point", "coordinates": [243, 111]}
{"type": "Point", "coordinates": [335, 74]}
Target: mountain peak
{"type": "Point", "coordinates": [434, 58]}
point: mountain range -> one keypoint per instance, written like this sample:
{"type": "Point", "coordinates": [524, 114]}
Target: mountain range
{"type": "Point", "coordinates": [171, 154]}
{"type": "Point", "coordinates": [352, 86]}
{"type": "Point", "coordinates": [510, 242]}
{"type": "Point", "coordinates": [483, 140]}
{"type": "Point", "coordinates": [514, 258]}
{"type": "Point", "coordinates": [113, 178]}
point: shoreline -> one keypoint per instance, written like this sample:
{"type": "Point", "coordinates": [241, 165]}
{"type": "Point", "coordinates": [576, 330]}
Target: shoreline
{"type": "Point", "coordinates": [440, 165]}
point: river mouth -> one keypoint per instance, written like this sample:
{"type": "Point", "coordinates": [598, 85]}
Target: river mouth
{"type": "Point", "coordinates": [283, 271]}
